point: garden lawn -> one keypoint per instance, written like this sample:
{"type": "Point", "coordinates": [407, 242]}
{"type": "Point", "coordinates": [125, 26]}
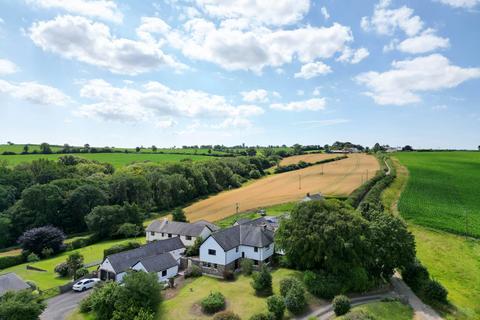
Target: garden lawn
{"type": "Point", "coordinates": [384, 310]}
{"type": "Point", "coordinates": [239, 295]}
{"type": "Point", "coordinates": [116, 159]}
{"type": "Point", "coordinates": [442, 191]}
{"type": "Point", "coordinates": [49, 279]}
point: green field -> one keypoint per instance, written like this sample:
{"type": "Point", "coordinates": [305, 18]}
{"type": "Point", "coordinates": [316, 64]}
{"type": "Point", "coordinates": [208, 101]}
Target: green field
{"type": "Point", "coordinates": [442, 191]}
{"type": "Point", "coordinates": [381, 310]}
{"type": "Point", "coordinates": [116, 159]}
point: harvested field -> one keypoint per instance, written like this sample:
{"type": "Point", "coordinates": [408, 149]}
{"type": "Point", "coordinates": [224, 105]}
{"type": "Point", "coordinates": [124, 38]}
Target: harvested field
{"type": "Point", "coordinates": [309, 158]}
{"type": "Point", "coordinates": [339, 178]}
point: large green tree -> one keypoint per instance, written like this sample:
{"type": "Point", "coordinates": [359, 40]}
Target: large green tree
{"type": "Point", "coordinates": [105, 220]}
{"type": "Point", "coordinates": [22, 305]}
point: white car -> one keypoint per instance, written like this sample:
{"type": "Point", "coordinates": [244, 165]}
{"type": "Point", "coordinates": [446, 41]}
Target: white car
{"type": "Point", "coordinates": [85, 284]}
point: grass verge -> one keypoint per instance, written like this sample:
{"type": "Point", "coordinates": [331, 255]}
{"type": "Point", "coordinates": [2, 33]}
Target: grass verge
{"type": "Point", "coordinates": [382, 310]}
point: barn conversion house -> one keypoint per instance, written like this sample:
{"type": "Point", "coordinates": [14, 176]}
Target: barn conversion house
{"type": "Point", "coordinates": [187, 232]}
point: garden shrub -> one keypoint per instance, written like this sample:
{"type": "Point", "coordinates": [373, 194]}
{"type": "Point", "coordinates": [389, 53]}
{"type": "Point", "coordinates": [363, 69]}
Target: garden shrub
{"type": "Point", "coordinates": [62, 269]}
{"type": "Point", "coordinates": [415, 275]}
{"type": "Point", "coordinates": [128, 230]}
{"type": "Point", "coordinates": [86, 304]}
{"type": "Point", "coordinates": [357, 280]}
{"type": "Point", "coordinates": [120, 248]}
{"type": "Point", "coordinates": [286, 284]}
{"type": "Point", "coordinates": [32, 257]}
{"type": "Point", "coordinates": [276, 306]}
{"type": "Point", "coordinates": [322, 285]}
{"type": "Point", "coordinates": [435, 291]}
{"type": "Point", "coordinates": [78, 243]}
{"type": "Point", "coordinates": [47, 252]}
{"type": "Point", "coordinates": [226, 315]}
{"type": "Point", "coordinates": [262, 282]}
{"type": "Point", "coordinates": [247, 266]}
{"type": "Point", "coordinates": [295, 300]}
{"type": "Point", "coordinates": [82, 272]}
{"type": "Point", "coordinates": [341, 305]}
{"type": "Point", "coordinates": [10, 261]}
{"type": "Point", "coordinates": [262, 316]}
{"type": "Point", "coordinates": [213, 303]}
{"type": "Point", "coordinates": [32, 284]}
{"type": "Point", "coordinates": [144, 315]}
{"type": "Point", "coordinates": [193, 272]}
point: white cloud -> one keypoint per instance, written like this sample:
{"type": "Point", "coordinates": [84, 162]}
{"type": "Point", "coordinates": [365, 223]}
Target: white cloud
{"type": "Point", "coordinates": [322, 123]}
{"type": "Point", "coordinates": [425, 42]}
{"type": "Point", "coordinates": [313, 69]}
{"type": "Point", "coordinates": [74, 37]}
{"type": "Point", "coordinates": [402, 84]}
{"type": "Point", "coordinates": [158, 103]}
{"type": "Point", "coordinates": [103, 9]}
{"type": "Point", "coordinates": [440, 107]}
{"type": "Point", "coordinates": [259, 95]}
{"type": "Point", "coordinates": [300, 92]}
{"type": "Point", "coordinates": [306, 105]}
{"type": "Point", "coordinates": [278, 12]}
{"type": "Point", "coordinates": [254, 49]}
{"type": "Point", "coordinates": [7, 67]}
{"type": "Point", "coordinates": [386, 21]}
{"type": "Point", "coordinates": [461, 3]}
{"type": "Point", "coordinates": [325, 13]}
{"type": "Point", "coordinates": [34, 93]}
{"type": "Point", "coordinates": [353, 56]}
{"type": "Point", "coordinates": [316, 92]}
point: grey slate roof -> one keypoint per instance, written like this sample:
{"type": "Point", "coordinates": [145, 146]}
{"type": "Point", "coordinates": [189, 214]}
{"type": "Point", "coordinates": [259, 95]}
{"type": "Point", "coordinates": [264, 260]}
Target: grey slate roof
{"type": "Point", "coordinates": [180, 228]}
{"type": "Point", "coordinates": [159, 262]}
{"type": "Point", "coordinates": [11, 282]}
{"type": "Point", "coordinates": [123, 261]}
{"type": "Point", "coordinates": [248, 235]}
{"type": "Point", "coordinates": [270, 222]}
{"type": "Point", "coordinates": [313, 197]}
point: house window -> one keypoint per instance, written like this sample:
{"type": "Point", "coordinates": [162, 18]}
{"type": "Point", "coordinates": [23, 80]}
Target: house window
{"type": "Point", "coordinates": [255, 249]}
{"type": "Point", "coordinates": [169, 235]}
{"type": "Point", "coordinates": [188, 237]}
{"type": "Point", "coordinates": [255, 262]}
{"type": "Point", "coordinates": [236, 249]}
{"type": "Point", "coordinates": [163, 234]}
{"type": "Point", "coordinates": [164, 273]}
{"type": "Point", "coordinates": [152, 233]}
{"type": "Point", "coordinates": [212, 252]}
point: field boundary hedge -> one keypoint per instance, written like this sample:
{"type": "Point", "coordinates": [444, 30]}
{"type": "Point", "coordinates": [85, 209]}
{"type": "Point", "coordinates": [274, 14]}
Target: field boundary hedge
{"type": "Point", "coordinates": [303, 164]}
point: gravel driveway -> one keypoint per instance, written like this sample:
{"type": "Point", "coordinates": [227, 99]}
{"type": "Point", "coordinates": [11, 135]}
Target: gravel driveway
{"type": "Point", "coordinates": [59, 307]}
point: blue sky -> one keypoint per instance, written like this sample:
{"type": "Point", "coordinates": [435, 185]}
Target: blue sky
{"type": "Point", "coordinates": [170, 73]}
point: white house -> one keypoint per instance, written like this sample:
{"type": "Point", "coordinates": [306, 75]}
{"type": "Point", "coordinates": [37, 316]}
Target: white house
{"type": "Point", "coordinates": [164, 265]}
{"type": "Point", "coordinates": [187, 232]}
{"type": "Point", "coordinates": [224, 249]}
{"type": "Point", "coordinates": [115, 266]}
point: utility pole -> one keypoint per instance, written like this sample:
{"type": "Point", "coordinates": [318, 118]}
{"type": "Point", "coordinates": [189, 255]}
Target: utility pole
{"type": "Point", "coordinates": [237, 207]}
{"type": "Point", "coordinates": [367, 174]}
{"type": "Point", "coordinates": [300, 182]}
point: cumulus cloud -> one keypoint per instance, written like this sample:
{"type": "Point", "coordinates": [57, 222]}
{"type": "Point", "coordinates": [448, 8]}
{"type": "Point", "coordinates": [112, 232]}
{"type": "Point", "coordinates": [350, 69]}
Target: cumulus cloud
{"type": "Point", "coordinates": [425, 42]}
{"type": "Point", "coordinates": [157, 102]}
{"type": "Point", "coordinates": [461, 3]}
{"type": "Point", "coordinates": [253, 49]}
{"type": "Point", "coordinates": [408, 78]}
{"type": "Point", "coordinates": [275, 13]}
{"type": "Point", "coordinates": [325, 13]}
{"type": "Point", "coordinates": [313, 69]}
{"type": "Point", "coordinates": [103, 9]}
{"type": "Point", "coordinates": [34, 93]}
{"type": "Point", "coordinates": [7, 67]}
{"type": "Point", "coordinates": [353, 56]}
{"type": "Point", "coordinates": [79, 38]}
{"type": "Point", "coordinates": [386, 21]}
{"type": "Point", "coordinates": [259, 95]}
{"type": "Point", "coordinates": [306, 105]}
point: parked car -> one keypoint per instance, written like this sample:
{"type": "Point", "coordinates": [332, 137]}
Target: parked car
{"type": "Point", "coordinates": [85, 284]}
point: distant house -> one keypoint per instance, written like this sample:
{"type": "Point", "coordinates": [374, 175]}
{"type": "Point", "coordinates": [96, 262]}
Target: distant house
{"type": "Point", "coordinates": [11, 282]}
{"type": "Point", "coordinates": [313, 197]}
{"type": "Point", "coordinates": [224, 249]}
{"type": "Point", "coordinates": [187, 232]}
{"type": "Point", "coordinates": [269, 222]}
{"type": "Point", "coordinates": [157, 256]}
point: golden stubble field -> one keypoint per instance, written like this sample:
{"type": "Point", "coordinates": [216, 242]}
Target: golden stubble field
{"type": "Point", "coordinates": [339, 178]}
{"type": "Point", "coordinates": [309, 158]}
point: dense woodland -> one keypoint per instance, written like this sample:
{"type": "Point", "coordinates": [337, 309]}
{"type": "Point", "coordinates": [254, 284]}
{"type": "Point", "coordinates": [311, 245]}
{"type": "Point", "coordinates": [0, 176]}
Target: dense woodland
{"type": "Point", "coordinates": [77, 195]}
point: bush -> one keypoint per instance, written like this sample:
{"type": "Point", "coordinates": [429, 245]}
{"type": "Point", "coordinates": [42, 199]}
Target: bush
{"type": "Point", "coordinates": [78, 243]}
{"type": "Point", "coordinates": [62, 269]}
{"type": "Point", "coordinates": [32, 284]}
{"type": "Point", "coordinates": [86, 304]}
{"type": "Point", "coordinates": [341, 305]}
{"type": "Point", "coordinates": [82, 272]}
{"type": "Point", "coordinates": [193, 272]}
{"type": "Point", "coordinates": [262, 316]}
{"type": "Point", "coordinates": [10, 261]}
{"type": "Point", "coordinates": [47, 252]}
{"type": "Point", "coordinates": [247, 266]}
{"type": "Point", "coordinates": [357, 280]}
{"type": "Point", "coordinates": [262, 282]}
{"type": "Point", "coordinates": [144, 315]}
{"type": "Point", "coordinates": [213, 303]}
{"type": "Point", "coordinates": [286, 284]}
{"type": "Point", "coordinates": [322, 285]}
{"type": "Point", "coordinates": [120, 248]}
{"type": "Point", "coordinates": [254, 174]}
{"type": "Point", "coordinates": [194, 250]}
{"type": "Point", "coordinates": [359, 315]}
{"type": "Point", "coordinates": [295, 299]}
{"type": "Point", "coordinates": [434, 291]}
{"type": "Point", "coordinates": [128, 230]}
{"type": "Point", "coordinates": [276, 306]}
{"type": "Point", "coordinates": [37, 239]}
{"type": "Point", "coordinates": [32, 257]}
{"type": "Point", "coordinates": [226, 315]}
{"type": "Point", "coordinates": [415, 275]}
{"type": "Point", "coordinates": [21, 305]}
